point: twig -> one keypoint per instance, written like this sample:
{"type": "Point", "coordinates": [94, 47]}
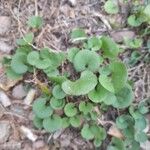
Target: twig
{"type": "Point", "coordinates": [36, 8]}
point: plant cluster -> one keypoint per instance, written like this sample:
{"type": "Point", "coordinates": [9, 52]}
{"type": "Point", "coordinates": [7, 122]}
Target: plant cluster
{"type": "Point", "coordinates": [99, 78]}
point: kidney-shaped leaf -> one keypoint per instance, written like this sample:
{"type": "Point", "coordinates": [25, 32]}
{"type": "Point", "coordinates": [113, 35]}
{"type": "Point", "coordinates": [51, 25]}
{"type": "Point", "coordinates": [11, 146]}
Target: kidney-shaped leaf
{"type": "Point", "coordinates": [82, 86]}
{"type": "Point", "coordinates": [40, 108]}
{"type": "Point", "coordinates": [85, 107]}
{"type": "Point", "coordinates": [18, 63]}
{"type": "Point", "coordinates": [52, 123]}
{"type": "Point", "coordinates": [75, 121]}
{"type": "Point", "coordinates": [70, 110]}
{"type": "Point", "coordinates": [33, 58]}
{"type": "Point", "coordinates": [57, 103]}
{"type": "Point", "coordinates": [57, 92]}
{"type": "Point", "coordinates": [86, 60]}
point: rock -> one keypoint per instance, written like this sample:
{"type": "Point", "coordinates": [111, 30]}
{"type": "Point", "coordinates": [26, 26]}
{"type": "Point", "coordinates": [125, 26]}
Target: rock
{"type": "Point", "coordinates": [19, 92]}
{"type": "Point", "coordinates": [73, 3]}
{"type": "Point", "coordinates": [4, 99]}
{"type": "Point", "coordinates": [65, 140]}
{"type": "Point", "coordinates": [5, 23]}
{"type": "Point", "coordinates": [4, 131]}
{"type": "Point", "coordinates": [38, 144]}
{"type": "Point", "coordinates": [119, 36]}
{"type": "Point", "coordinates": [4, 47]}
{"type": "Point", "coordinates": [30, 97]}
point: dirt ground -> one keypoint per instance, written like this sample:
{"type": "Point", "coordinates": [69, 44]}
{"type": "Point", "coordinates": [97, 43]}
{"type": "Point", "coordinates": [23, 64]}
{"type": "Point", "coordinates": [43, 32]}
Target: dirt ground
{"type": "Point", "coordinates": [60, 17]}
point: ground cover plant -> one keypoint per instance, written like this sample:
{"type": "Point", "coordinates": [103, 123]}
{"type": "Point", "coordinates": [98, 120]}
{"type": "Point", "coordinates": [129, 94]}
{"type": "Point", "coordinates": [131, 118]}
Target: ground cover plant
{"type": "Point", "coordinates": [80, 97]}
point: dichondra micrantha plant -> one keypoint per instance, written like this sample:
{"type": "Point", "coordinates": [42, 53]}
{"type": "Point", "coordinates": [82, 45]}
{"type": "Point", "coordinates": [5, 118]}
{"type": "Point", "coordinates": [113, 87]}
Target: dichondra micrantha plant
{"type": "Point", "coordinates": [98, 78]}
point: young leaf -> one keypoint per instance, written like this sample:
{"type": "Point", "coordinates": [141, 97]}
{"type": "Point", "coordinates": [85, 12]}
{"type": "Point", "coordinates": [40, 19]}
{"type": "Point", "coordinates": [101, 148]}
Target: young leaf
{"type": "Point", "coordinates": [35, 22]}
{"type": "Point", "coordinates": [97, 142]}
{"type": "Point", "coordinates": [18, 63]}
{"type": "Point", "coordinates": [57, 92]}
{"type": "Point", "coordinates": [33, 58]}
{"type": "Point", "coordinates": [140, 124]}
{"type": "Point", "coordinates": [28, 38]}
{"type": "Point", "coordinates": [70, 110]}
{"type": "Point", "coordinates": [135, 21]}
{"type": "Point", "coordinates": [52, 123]}
{"type": "Point", "coordinates": [57, 103]}
{"type": "Point", "coordinates": [43, 64]}
{"type": "Point", "coordinates": [78, 35]}
{"type": "Point", "coordinates": [40, 108]}
{"type": "Point", "coordinates": [11, 74]}
{"type": "Point", "coordinates": [86, 132]}
{"type": "Point", "coordinates": [94, 43]}
{"type": "Point", "coordinates": [75, 121]}
{"type": "Point", "coordinates": [85, 107]}
{"type": "Point", "coordinates": [65, 122]}
{"type": "Point", "coordinates": [111, 7]}
{"type": "Point", "coordinates": [38, 122]}
{"type": "Point", "coordinates": [86, 60]}
{"type": "Point", "coordinates": [82, 86]}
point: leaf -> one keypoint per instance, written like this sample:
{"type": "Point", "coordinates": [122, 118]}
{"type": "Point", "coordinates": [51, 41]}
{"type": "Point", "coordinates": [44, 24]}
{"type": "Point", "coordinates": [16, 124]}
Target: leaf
{"type": "Point", "coordinates": [35, 22]}
{"type": "Point", "coordinates": [85, 107]}
{"type": "Point", "coordinates": [129, 132]}
{"type": "Point", "coordinates": [147, 12]}
{"type": "Point", "coordinates": [82, 86]}
{"type": "Point", "coordinates": [116, 144]}
{"type": "Point", "coordinates": [11, 74]}
{"type": "Point", "coordinates": [57, 103]}
{"type": "Point", "coordinates": [78, 35]}
{"type": "Point", "coordinates": [75, 121]}
{"type": "Point", "coordinates": [141, 137]}
{"type": "Point", "coordinates": [109, 47]}
{"type": "Point", "coordinates": [100, 94]}
{"type": "Point", "coordinates": [53, 123]}
{"type": "Point", "coordinates": [41, 109]}
{"type": "Point", "coordinates": [94, 43]}
{"type": "Point", "coordinates": [33, 58]}
{"type": "Point", "coordinates": [97, 142]}
{"type": "Point", "coordinates": [86, 132]}
{"type": "Point", "coordinates": [140, 124]}
{"type": "Point", "coordinates": [111, 7]}
{"type": "Point", "coordinates": [124, 121]}
{"type": "Point", "coordinates": [57, 92]}
{"type": "Point", "coordinates": [124, 97]}
{"type": "Point", "coordinates": [70, 110]}
{"type": "Point", "coordinates": [43, 64]}
{"type": "Point", "coordinates": [86, 60]}
{"type": "Point", "coordinates": [71, 53]}
{"type": "Point", "coordinates": [38, 122]}
{"type": "Point", "coordinates": [28, 38]}
{"type": "Point", "coordinates": [135, 21]}
{"type": "Point", "coordinates": [18, 63]}
{"type": "Point", "coordinates": [117, 79]}
{"type": "Point", "coordinates": [65, 122]}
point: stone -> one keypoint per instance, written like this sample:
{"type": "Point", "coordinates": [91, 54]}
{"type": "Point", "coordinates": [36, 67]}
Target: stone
{"type": "Point", "coordinates": [5, 23]}
{"type": "Point", "coordinates": [18, 92]}
{"type": "Point", "coordinates": [30, 97]}
{"type": "Point", "coordinates": [38, 144]}
{"type": "Point", "coordinates": [5, 48]}
{"type": "Point", "coordinates": [4, 99]}
{"type": "Point", "coordinates": [4, 131]}
{"type": "Point", "coordinates": [119, 36]}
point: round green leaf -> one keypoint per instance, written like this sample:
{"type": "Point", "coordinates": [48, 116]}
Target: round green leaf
{"type": "Point", "coordinates": [70, 110]}
{"type": "Point", "coordinates": [85, 107]}
{"type": "Point", "coordinates": [53, 123]}
{"type": "Point", "coordinates": [57, 103]}
{"type": "Point", "coordinates": [75, 121]}
{"type": "Point", "coordinates": [141, 137]}
{"type": "Point", "coordinates": [43, 64]}
{"type": "Point", "coordinates": [97, 142]}
{"type": "Point", "coordinates": [82, 86]}
{"type": "Point", "coordinates": [38, 122]}
{"type": "Point", "coordinates": [117, 79]}
{"type": "Point", "coordinates": [86, 60]}
{"type": "Point", "coordinates": [140, 123]}
{"type": "Point", "coordinates": [86, 132]}
{"type": "Point", "coordinates": [57, 92]}
{"type": "Point", "coordinates": [33, 58]}
{"type": "Point", "coordinates": [41, 109]}
{"type": "Point", "coordinates": [65, 122]}
{"type": "Point", "coordinates": [111, 7]}
{"type": "Point", "coordinates": [135, 21]}
{"type": "Point", "coordinates": [11, 74]}
{"type": "Point", "coordinates": [18, 63]}
{"type": "Point", "coordinates": [94, 43]}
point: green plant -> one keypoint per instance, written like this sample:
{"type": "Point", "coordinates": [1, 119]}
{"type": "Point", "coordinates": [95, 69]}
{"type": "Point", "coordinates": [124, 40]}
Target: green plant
{"type": "Point", "coordinates": [99, 80]}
